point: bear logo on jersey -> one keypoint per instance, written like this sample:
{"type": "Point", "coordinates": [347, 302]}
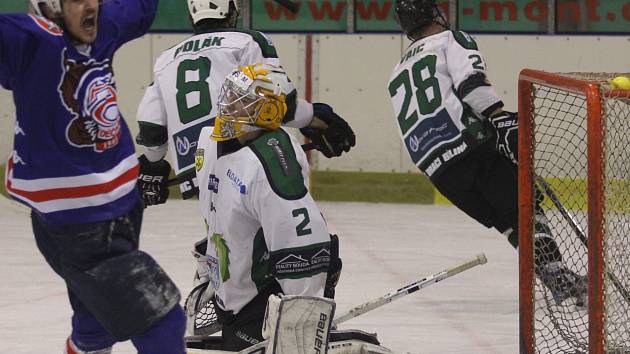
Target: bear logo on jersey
{"type": "Point", "coordinates": [88, 91]}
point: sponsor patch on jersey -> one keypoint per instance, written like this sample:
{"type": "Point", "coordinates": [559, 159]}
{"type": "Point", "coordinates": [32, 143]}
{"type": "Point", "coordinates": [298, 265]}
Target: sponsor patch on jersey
{"type": "Point", "coordinates": [199, 159]}
{"type": "Point", "coordinates": [301, 262]}
{"type": "Point", "coordinates": [186, 144]}
{"type": "Point", "coordinates": [240, 186]}
{"type": "Point", "coordinates": [213, 184]}
{"type": "Point", "coordinates": [430, 133]}
{"type": "Point", "coordinates": [213, 272]}
{"type": "Point", "coordinates": [276, 147]}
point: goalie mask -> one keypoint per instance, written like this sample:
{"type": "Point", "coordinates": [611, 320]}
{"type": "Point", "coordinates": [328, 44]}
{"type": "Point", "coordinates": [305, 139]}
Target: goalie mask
{"type": "Point", "coordinates": [213, 9]}
{"type": "Point", "coordinates": [252, 97]}
{"type": "Point", "coordinates": [415, 15]}
{"type": "Point", "coordinates": [53, 5]}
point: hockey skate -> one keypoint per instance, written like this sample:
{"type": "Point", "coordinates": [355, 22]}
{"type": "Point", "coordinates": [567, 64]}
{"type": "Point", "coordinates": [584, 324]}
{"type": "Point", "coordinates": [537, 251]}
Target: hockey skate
{"type": "Point", "coordinates": [564, 283]}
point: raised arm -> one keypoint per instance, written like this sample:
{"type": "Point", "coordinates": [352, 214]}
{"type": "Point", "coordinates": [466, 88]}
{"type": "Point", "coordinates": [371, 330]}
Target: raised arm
{"type": "Point", "coordinates": [127, 19]}
{"type": "Point", "coordinates": [14, 44]}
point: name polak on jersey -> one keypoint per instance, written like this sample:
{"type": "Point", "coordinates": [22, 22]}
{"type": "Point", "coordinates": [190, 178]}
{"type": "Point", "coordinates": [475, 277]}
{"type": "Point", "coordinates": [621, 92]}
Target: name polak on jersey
{"type": "Point", "coordinates": [447, 155]}
{"type": "Point", "coordinates": [198, 44]}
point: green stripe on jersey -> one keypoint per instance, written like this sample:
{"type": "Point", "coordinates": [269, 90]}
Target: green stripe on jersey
{"type": "Point", "coordinates": [261, 275]}
{"type": "Point", "coordinates": [465, 40]}
{"type": "Point", "coordinates": [266, 45]}
{"type": "Point", "coordinates": [284, 173]}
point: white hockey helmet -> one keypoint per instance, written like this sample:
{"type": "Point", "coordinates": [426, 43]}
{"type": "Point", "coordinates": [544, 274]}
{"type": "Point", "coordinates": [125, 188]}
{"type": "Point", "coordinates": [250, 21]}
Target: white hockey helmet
{"type": "Point", "coordinates": [53, 5]}
{"type": "Point", "coordinates": [252, 97]}
{"type": "Point", "coordinates": [202, 9]}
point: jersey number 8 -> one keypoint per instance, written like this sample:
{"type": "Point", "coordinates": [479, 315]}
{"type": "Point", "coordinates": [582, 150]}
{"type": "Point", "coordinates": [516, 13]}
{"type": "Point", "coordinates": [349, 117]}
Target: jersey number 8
{"type": "Point", "coordinates": [202, 66]}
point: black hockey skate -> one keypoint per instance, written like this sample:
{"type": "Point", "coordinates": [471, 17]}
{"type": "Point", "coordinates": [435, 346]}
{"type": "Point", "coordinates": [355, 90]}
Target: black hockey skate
{"type": "Point", "coordinates": [564, 283]}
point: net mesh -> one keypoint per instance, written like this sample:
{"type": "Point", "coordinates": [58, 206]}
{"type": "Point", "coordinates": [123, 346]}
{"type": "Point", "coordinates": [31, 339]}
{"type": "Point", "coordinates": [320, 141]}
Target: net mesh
{"type": "Point", "coordinates": [617, 222]}
{"type": "Point", "coordinates": [560, 168]}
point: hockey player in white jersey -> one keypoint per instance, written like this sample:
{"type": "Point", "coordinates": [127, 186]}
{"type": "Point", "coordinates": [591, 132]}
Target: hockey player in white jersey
{"type": "Point", "coordinates": [453, 126]}
{"type": "Point", "coordinates": [266, 235]}
{"type": "Point", "coordinates": [183, 98]}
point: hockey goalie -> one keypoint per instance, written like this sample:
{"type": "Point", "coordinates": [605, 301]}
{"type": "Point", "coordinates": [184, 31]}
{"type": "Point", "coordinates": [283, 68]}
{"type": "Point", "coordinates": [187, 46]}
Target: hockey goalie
{"type": "Point", "coordinates": [268, 266]}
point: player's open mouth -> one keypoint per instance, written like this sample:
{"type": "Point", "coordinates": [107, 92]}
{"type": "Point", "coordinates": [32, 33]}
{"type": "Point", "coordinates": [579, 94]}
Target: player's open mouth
{"type": "Point", "coordinates": [89, 24]}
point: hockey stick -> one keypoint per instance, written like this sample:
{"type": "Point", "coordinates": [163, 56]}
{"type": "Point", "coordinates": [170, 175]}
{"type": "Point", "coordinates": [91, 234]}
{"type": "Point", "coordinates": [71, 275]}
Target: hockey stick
{"type": "Point", "coordinates": [305, 147]}
{"type": "Point", "coordinates": [577, 229]}
{"type": "Point", "coordinates": [408, 289]}
{"type": "Point", "coordinates": [383, 300]}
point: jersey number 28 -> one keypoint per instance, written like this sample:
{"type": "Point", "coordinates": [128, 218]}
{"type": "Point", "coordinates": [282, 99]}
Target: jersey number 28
{"type": "Point", "coordinates": [427, 92]}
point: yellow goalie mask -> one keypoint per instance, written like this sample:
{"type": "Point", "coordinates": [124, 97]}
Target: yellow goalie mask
{"type": "Point", "coordinates": [252, 97]}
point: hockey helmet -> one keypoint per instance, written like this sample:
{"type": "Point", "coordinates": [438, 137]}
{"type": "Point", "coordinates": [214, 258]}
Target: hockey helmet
{"type": "Point", "coordinates": [415, 15]}
{"type": "Point", "coordinates": [53, 5]}
{"type": "Point", "coordinates": [216, 9]}
{"type": "Point", "coordinates": [252, 97]}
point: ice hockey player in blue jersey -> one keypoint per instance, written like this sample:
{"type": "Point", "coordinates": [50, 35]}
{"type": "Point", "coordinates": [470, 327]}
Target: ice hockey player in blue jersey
{"type": "Point", "coordinates": [73, 164]}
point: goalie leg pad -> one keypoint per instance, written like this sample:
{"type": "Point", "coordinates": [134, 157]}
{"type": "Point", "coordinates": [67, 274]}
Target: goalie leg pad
{"type": "Point", "coordinates": [298, 324]}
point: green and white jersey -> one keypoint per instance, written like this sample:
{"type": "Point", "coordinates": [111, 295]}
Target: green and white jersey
{"type": "Point", "coordinates": [440, 95]}
{"type": "Point", "coordinates": [263, 225]}
{"type": "Point", "coordinates": [187, 82]}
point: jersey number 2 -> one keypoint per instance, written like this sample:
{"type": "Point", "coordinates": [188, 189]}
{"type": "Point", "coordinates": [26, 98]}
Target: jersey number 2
{"type": "Point", "coordinates": [428, 95]}
{"type": "Point", "coordinates": [197, 87]}
{"type": "Point", "coordinates": [301, 229]}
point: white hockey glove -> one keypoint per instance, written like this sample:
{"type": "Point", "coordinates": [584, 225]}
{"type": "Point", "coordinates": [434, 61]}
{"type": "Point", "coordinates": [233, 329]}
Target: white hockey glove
{"type": "Point", "coordinates": [506, 126]}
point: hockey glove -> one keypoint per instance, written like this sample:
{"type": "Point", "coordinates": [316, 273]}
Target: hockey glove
{"type": "Point", "coordinates": [506, 126]}
{"type": "Point", "coordinates": [336, 138]}
{"type": "Point", "coordinates": [153, 181]}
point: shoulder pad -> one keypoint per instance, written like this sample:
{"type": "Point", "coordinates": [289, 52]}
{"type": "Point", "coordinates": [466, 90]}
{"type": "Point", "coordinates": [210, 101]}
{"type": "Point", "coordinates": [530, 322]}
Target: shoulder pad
{"type": "Point", "coordinates": [266, 45]}
{"type": "Point", "coordinates": [465, 40]}
{"type": "Point", "coordinates": [283, 171]}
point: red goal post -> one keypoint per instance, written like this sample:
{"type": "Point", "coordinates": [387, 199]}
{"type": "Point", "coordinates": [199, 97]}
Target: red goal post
{"type": "Point", "coordinates": [573, 150]}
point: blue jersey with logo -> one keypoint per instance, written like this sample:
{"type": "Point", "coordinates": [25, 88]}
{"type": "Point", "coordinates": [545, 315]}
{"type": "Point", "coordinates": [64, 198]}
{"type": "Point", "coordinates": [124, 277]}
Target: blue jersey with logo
{"type": "Point", "coordinates": [73, 159]}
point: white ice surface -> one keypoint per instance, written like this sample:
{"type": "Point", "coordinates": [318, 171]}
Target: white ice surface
{"type": "Point", "coordinates": [383, 246]}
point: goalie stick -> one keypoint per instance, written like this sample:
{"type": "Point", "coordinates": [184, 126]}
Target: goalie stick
{"type": "Point", "coordinates": [578, 230]}
{"type": "Point", "coordinates": [410, 288]}
{"type": "Point", "coordinates": [380, 301]}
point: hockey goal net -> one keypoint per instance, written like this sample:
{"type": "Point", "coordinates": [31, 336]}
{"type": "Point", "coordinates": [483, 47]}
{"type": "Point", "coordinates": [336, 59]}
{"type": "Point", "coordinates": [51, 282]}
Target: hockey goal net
{"type": "Point", "coordinates": [574, 150]}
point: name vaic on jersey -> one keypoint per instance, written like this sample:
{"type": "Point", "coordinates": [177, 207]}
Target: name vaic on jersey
{"type": "Point", "coordinates": [446, 155]}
